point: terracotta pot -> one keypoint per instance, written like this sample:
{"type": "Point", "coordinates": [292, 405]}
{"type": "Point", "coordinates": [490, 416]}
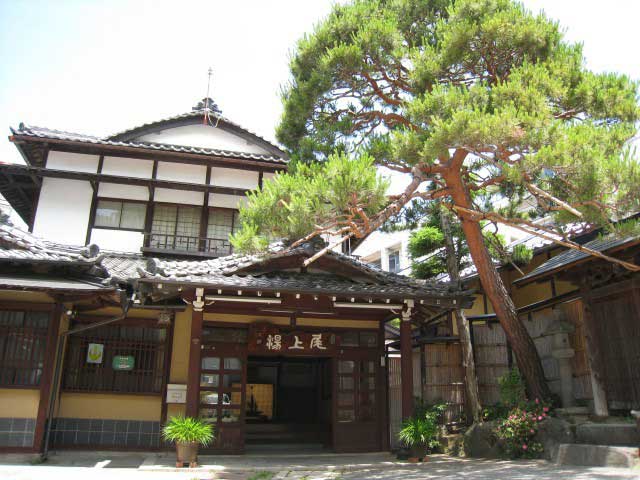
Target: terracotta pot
{"type": "Point", "coordinates": [187, 453]}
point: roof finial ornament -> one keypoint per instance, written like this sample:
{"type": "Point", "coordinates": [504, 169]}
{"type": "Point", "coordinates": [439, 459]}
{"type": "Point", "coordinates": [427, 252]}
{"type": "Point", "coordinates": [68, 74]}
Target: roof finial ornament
{"type": "Point", "coordinates": [207, 105]}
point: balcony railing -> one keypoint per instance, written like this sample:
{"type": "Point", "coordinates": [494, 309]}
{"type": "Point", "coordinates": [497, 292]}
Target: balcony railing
{"type": "Point", "coordinates": [186, 245]}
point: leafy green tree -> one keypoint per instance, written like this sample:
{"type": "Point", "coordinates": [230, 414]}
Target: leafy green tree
{"type": "Point", "coordinates": [463, 97]}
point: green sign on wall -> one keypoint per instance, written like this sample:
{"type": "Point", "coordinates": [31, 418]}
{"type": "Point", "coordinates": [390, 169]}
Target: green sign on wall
{"type": "Point", "coordinates": [123, 362]}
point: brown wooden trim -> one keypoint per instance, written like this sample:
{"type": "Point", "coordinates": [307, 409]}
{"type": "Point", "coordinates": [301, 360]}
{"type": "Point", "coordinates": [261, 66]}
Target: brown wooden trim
{"type": "Point", "coordinates": [167, 370]}
{"type": "Point", "coordinates": [193, 379]}
{"type": "Point", "coordinates": [121, 180]}
{"type": "Point", "coordinates": [35, 307]}
{"type": "Point", "coordinates": [260, 179]}
{"type": "Point", "coordinates": [94, 203]}
{"type": "Point", "coordinates": [47, 376]}
{"type": "Point", "coordinates": [406, 368]}
{"type": "Point", "coordinates": [36, 199]}
{"type": "Point", "coordinates": [151, 154]}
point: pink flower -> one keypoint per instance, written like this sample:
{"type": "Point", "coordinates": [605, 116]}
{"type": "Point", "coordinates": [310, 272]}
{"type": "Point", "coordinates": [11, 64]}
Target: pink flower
{"type": "Point", "coordinates": [545, 409]}
{"type": "Point", "coordinates": [537, 401]}
{"type": "Point", "coordinates": [539, 418]}
{"type": "Point", "coordinates": [524, 447]}
{"type": "Point", "coordinates": [544, 414]}
{"type": "Point", "coordinates": [532, 431]}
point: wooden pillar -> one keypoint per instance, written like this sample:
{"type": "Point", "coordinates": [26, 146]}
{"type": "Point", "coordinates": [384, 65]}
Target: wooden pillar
{"type": "Point", "coordinates": [600, 406]}
{"type": "Point", "coordinates": [46, 378]}
{"type": "Point", "coordinates": [406, 365]}
{"type": "Point", "coordinates": [193, 379]}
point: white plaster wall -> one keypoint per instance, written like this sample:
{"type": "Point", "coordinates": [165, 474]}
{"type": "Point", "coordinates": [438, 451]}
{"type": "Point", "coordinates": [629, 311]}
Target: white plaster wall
{"type": "Point", "coordinates": [380, 244]}
{"type": "Point", "coordinates": [127, 167]}
{"type": "Point", "coordinates": [267, 176]}
{"type": "Point", "coordinates": [129, 192]}
{"type": "Point", "coordinates": [63, 210]}
{"type": "Point", "coordinates": [205, 136]}
{"type": "Point", "coordinates": [226, 201]}
{"type": "Point", "coordinates": [76, 162]}
{"type": "Point", "coordinates": [118, 240]}
{"type": "Point", "coordinates": [182, 172]}
{"type": "Point", "coordinates": [178, 196]}
{"type": "Point", "coordinates": [230, 177]}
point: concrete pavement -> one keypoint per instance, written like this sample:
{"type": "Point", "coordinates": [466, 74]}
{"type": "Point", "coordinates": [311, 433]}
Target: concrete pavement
{"type": "Point", "coordinates": [131, 466]}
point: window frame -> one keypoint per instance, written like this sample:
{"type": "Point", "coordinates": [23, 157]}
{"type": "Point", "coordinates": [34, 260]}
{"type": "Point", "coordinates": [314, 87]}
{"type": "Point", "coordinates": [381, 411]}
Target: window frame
{"type": "Point", "coordinates": [41, 333]}
{"type": "Point", "coordinates": [104, 373]}
{"type": "Point", "coordinates": [122, 201]}
{"type": "Point", "coordinates": [396, 254]}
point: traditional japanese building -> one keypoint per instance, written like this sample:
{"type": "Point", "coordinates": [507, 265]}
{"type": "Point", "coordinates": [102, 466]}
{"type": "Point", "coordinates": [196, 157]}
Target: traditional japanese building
{"type": "Point", "coordinates": [156, 316]}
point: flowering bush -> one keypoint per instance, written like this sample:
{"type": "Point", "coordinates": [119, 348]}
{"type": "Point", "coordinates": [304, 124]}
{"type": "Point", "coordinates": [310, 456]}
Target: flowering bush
{"type": "Point", "coordinates": [519, 429]}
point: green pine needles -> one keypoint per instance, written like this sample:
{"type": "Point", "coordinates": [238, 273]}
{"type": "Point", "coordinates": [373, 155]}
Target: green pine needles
{"type": "Point", "coordinates": [188, 430]}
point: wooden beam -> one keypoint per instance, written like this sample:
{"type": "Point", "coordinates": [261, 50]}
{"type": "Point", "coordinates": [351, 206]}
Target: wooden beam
{"type": "Point", "coordinates": [406, 367]}
{"type": "Point", "coordinates": [100, 177]}
{"type": "Point", "coordinates": [193, 376]}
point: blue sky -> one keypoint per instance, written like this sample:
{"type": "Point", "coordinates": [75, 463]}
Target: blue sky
{"type": "Point", "coordinates": [101, 66]}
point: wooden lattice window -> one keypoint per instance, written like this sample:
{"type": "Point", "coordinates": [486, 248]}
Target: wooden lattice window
{"type": "Point", "coordinates": [128, 360]}
{"type": "Point", "coordinates": [23, 338]}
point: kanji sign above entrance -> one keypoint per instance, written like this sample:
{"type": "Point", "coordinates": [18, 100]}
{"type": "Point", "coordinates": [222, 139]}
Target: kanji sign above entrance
{"type": "Point", "coordinates": [271, 339]}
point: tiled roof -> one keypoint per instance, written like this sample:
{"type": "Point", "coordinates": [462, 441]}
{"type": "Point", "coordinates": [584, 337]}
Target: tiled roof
{"type": "Point", "coordinates": [42, 132]}
{"type": "Point", "coordinates": [17, 245]}
{"type": "Point", "coordinates": [238, 271]}
{"type": "Point", "coordinates": [571, 256]}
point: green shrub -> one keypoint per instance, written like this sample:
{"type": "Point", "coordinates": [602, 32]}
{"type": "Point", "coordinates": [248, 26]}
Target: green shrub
{"type": "Point", "coordinates": [424, 427]}
{"type": "Point", "coordinates": [519, 429]}
{"type": "Point", "coordinates": [188, 429]}
{"type": "Point", "coordinates": [512, 389]}
{"type": "Point", "coordinates": [420, 431]}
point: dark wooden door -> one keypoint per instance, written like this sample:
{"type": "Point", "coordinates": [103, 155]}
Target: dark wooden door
{"type": "Point", "coordinates": [222, 402]}
{"type": "Point", "coordinates": [357, 412]}
{"type": "Point", "coordinates": [616, 315]}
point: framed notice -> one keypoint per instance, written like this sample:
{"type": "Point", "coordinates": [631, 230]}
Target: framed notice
{"type": "Point", "coordinates": [95, 353]}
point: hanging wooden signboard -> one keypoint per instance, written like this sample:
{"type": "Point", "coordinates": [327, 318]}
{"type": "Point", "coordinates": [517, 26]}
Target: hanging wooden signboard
{"type": "Point", "coordinates": [271, 339]}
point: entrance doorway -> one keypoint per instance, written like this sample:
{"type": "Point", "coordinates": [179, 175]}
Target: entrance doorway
{"type": "Point", "coordinates": [288, 403]}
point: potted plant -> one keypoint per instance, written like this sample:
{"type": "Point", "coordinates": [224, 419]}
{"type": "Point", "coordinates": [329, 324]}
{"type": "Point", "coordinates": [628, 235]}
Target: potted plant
{"type": "Point", "coordinates": [188, 434]}
{"type": "Point", "coordinates": [419, 435]}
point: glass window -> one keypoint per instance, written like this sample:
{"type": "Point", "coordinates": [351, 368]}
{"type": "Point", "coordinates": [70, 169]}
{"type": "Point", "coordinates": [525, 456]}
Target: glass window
{"type": "Point", "coordinates": [349, 339]}
{"type": "Point", "coordinates": [209, 380]}
{"type": "Point", "coordinates": [176, 227]}
{"type": "Point", "coordinates": [368, 339]}
{"type": "Point", "coordinates": [230, 415]}
{"type": "Point", "coordinates": [346, 366]}
{"type": "Point", "coordinates": [345, 383]}
{"type": "Point", "coordinates": [209, 398]}
{"type": "Point", "coordinates": [130, 359]}
{"type": "Point", "coordinates": [120, 214]}
{"type": "Point", "coordinates": [209, 415]}
{"type": "Point", "coordinates": [394, 261]}
{"type": "Point", "coordinates": [22, 343]}
{"type": "Point", "coordinates": [232, 363]}
{"type": "Point", "coordinates": [346, 415]}
{"type": "Point", "coordinates": [232, 380]}
{"type": "Point", "coordinates": [210, 363]}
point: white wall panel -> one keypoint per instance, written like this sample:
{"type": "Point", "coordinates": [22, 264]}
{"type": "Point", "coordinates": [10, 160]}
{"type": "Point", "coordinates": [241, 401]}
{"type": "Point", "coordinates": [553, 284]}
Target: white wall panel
{"type": "Point", "coordinates": [205, 136]}
{"type": "Point", "coordinates": [129, 192]}
{"type": "Point", "coordinates": [118, 240]}
{"type": "Point", "coordinates": [127, 167]}
{"type": "Point", "coordinates": [267, 176]}
{"type": "Point", "coordinates": [226, 201]}
{"type": "Point", "coordinates": [230, 177]}
{"type": "Point", "coordinates": [182, 172]}
{"type": "Point", "coordinates": [178, 196]}
{"type": "Point", "coordinates": [63, 210]}
{"type": "Point", "coordinates": [75, 162]}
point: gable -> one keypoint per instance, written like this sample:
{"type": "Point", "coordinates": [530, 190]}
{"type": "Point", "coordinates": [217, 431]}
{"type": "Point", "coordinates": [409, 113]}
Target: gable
{"type": "Point", "coordinates": [203, 136]}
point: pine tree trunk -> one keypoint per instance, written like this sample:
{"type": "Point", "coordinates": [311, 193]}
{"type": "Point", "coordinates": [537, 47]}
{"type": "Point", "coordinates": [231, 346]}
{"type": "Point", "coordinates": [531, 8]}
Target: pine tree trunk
{"type": "Point", "coordinates": [521, 343]}
{"type": "Point", "coordinates": [468, 363]}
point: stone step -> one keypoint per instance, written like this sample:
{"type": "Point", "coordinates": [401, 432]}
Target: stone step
{"type": "Point", "coordinates": [616, 434]}
{"type": "Point", "coordinates": [598, 456]}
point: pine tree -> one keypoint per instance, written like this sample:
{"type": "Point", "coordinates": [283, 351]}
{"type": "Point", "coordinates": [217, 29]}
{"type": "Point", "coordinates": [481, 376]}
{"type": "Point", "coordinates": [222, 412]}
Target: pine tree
{"type": "Point", "coordinates": [463, 97]}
